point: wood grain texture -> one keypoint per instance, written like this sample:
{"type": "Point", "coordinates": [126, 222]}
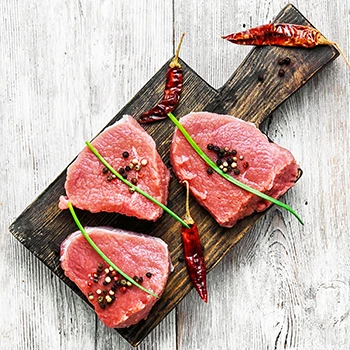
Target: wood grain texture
{"type": "Point", "coordinates": [41, 99]}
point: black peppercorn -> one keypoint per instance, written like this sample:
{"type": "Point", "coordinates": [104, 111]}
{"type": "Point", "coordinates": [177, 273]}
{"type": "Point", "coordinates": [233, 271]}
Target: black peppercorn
{"type": "Point", "coordinates": [125, 154]}
{"type": "Point", "coordinates": [209, 171]}
{"type": "Point", "coordinates": [127, 168]}
{"type": "Point", "coordinates": [219, 162]}
{"type": "Point", "coordinates": [210, 146]}
{"type": "Point", "coordinates": [261, 77]}
{"type": "Point", "coordinates": [216, 149]}
{"type": "Point", "coordinates": [236, 171]}
{"type": "Point", "coordinates": [281, 72]}
{"type": "Point", "coordinates": [105, 170]}
{"type": "Point", "coordinates": [148, 274]}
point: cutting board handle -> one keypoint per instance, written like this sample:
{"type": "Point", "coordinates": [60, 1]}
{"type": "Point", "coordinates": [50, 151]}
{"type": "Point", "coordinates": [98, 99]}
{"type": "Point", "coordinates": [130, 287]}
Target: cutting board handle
{"type": "Point", "coordinates": [259, 85]}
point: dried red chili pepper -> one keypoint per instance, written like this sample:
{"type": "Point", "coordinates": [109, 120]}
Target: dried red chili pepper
{"type": "Point", "coordinates": [282, 34]}
{"type": "Point", "coordinates": [172, 92]}
{"type": "Point", "coordinates": [193, 253]}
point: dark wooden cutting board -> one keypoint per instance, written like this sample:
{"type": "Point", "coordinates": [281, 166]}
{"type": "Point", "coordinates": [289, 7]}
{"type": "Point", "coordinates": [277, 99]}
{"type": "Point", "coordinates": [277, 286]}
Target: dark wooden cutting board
{"type": "Point", "coordinates": [42, 226]}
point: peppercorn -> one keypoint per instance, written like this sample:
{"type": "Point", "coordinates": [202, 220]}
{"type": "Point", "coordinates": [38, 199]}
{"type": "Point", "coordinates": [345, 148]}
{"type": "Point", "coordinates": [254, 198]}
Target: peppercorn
{"type": "Point", "coordinates": [134, 180]}
{"type": "Point", "coordinates": [98, 291]}
{"type": "Point", "coordinates": [210, 171]}
{"type": "Point", "coordinates": [91, 297]}
{"type": "Point", "coordinates": [95, 280]}
{"type": "Point", "coordinates": [210, 146]}
{"type": "Point", "coordinates": [103, 306]}
{"type": "Point", "coordinates": [131, 190]}
{"type": "Point", "coordinates": [128, 283]}
{"type": "Point", "coordinates": [261, 77]}
{"type": "Point", "coordinates": [108, 299]}
{"type": "Point", "coordinates": [216, 149]}
{"type": "Point", "coordinates": [144, 162]}
{"type": "Point", "coordinates": [236, 171]}
{"type": "Point", "coordinates": [287, 61]}
{"type": "Point", "coordinates": [125, 154]}
{"type": "Point", "coordinates": [123, 282]}
{"type": "Point", "coordinates": [135, 161]}
{"type": "Point", "coordinates": [109, 178]}
{"type": "Point", "coordinates": [140, 279]}
{"type": "Point", "coordinates": [113, 289]}
{"type": "Point", "coordinates": [148, 274]}
{"type": "Point", "coordinates": [100, 299]}
{"type": "Point", "coordinates": [235, 159]}
{"type": "Point", "coordinates": [233, 152]}
{"type": "Point", "coordinates": [125, 175]}
{"type": "Point", "coordinates": [104, 283]}
{"type": "Point", "coordinates": [241, 157]}
{"type": "Point", "coordinates": [122, 289]}
{"type": "Point", "coordinates": [127, 168]}
{"type": "Point", "coordinates": [135, 278]}
{"type": "Point", "coordinates": [245, 165]}
{"type": "Point", "coordinates": [106, 270]}
{"type": "Point", "coordinates": [229, 169]}
{"type": "Point", "coordinates": [108, 279]}
{"type": "Point", "coordinates": [224, 170]}
{"type": "Point", "coordinates": [121, 171]}
{"type": "Point", "coordinates": [281, 72]}
{"type": "Point", "coordinates": [229, 161]}
{"type": "Point", "coordinates": [219, 162]}
{"type": "Point", "coordinates": [137, 167]}
{"type": "Point", "coordinates": [105, 170]}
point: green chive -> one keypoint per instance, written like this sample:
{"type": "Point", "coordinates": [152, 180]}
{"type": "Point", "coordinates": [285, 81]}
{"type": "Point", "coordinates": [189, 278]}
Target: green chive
{"type": "Point", "coordinates": [102, 255]}
{"type": "Point", "coordinates": [226, 176]}
{"type": "Point", "coordinates": [135, 188]}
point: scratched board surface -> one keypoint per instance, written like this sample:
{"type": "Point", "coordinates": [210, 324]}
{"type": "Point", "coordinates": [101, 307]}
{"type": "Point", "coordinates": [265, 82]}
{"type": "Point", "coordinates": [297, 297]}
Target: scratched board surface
{"type": "Point", "coordinates": [42, 226]}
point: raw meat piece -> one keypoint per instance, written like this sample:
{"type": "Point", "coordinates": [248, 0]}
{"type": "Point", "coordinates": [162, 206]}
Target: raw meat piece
{"type": "Point", "coordinates": [270, 168]}
{"type": "Point", "coordinates": [135, 254]}
{"type": "Point", "coordinates": [87, 186]}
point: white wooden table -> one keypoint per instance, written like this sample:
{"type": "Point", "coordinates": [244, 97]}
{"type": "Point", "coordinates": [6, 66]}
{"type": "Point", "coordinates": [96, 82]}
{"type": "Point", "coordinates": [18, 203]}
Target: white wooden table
{"type": "Point", "coordinates": [67, 67]}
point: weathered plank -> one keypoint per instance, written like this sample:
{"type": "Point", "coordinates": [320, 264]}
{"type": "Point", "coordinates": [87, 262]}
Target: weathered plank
{"type": "Point", "coordinates": [42, 227]}
{"type": "Point", "coordinates": [42, 93]}
{"type": "Point", "coordinates": [253, 292]}
{"type": "Point", "coordinates": [64, 70]}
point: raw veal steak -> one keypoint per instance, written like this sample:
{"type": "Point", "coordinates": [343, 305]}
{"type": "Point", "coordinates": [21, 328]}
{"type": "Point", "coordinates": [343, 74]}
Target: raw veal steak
{"type": "Point", "coordinates": [265, 166]}
{"type": "Point", "coordinates": [135, 254]}
{"type": "Point", "coordinates": [88, 187]}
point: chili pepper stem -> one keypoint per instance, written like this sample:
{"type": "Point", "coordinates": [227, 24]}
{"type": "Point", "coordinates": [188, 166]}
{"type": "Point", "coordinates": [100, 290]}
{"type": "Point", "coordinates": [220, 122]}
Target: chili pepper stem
{"type": "Point", "coordinates": [175, 61]}
{"type": "Point", "coordinates": [324, 41]}
{"type": "Point", "coordinates": [188, 219]}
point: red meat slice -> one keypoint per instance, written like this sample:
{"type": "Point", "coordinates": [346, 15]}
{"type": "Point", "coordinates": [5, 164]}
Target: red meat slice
{"type": "Point", "coordinates": [266, 166]}
{"type": "Point", "coordinates": [135, 254]}
{"type": "Point", "coordinates": [87, 186]}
